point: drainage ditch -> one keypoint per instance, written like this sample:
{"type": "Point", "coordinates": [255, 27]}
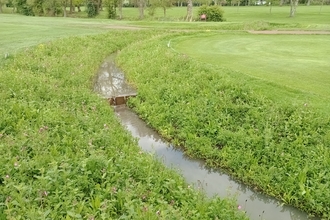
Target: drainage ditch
{"type": "Point", "coordinates": [110, 84]}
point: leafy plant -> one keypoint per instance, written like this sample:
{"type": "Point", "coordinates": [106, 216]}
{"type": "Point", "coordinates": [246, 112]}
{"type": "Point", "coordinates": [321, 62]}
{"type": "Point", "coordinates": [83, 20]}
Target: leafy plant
{"type": "Point", "coordinates": [65, 154]}
{"type": "Point", "coordinates": [212, 114]}
{"type": "Point", "coordinates": [213, 13]}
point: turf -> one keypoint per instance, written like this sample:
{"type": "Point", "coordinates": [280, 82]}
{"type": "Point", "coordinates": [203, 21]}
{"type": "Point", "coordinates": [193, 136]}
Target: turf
{"type": "Point", "coordinates": [291, 62]}
{"type": "Point", "coordinates": [18, 32]}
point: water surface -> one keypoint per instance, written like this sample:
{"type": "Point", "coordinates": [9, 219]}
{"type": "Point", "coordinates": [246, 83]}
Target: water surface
{"type": "Point", "coordinates": [110, 82]}
{"type": "Point", "coordinates": [257, 206]}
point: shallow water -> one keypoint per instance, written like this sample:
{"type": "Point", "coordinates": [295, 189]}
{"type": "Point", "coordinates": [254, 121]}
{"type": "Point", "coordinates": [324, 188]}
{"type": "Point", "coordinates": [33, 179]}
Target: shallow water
{"type": "Point", "coordinates": [110, 82]}
{"type": "Point", "coordinates": [256, 205]}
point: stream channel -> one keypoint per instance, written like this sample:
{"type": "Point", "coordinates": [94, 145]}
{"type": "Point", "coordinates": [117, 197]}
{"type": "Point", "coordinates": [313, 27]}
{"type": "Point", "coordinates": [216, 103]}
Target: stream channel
{"type": "Point", "coordinates": [110, 82]}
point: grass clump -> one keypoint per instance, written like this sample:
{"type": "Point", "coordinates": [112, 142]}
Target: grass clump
{"type": "Point", "coordinates": [214, 115]}
{"type": "Point", "coordinates": [64, 153]}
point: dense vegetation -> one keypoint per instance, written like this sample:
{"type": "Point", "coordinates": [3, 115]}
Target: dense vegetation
{"type": "Point", "coordinates": [281, 149]}
{"type": "Point", "coordinates": [53, 129]}
{"type": "Point", "coordinates": [64, 154]}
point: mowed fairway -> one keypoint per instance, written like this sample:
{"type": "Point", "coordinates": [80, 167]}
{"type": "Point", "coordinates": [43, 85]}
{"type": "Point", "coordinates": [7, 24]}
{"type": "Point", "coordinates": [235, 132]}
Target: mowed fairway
{"type": "Point", "coordinates": [19, 32]}
{"type": "Point", "coordinates": [294, 62]}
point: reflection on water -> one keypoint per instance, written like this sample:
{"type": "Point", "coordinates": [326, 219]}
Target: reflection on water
{"type": "Point", "coordinates": [110, 80]}
{"type": "Point", "coordinates": [257, 206]}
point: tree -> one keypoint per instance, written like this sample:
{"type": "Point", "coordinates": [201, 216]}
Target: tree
{"type": "Point", "coordinates": [321, 6]}
{"type": "Point", "coordinates": [120, 8]}
{"type": "Point", "coordinates": [52, 7]}
{"type": "Point", "coordinates": [23, 7]}
{"type": "Point", "coordinates": [64, 4]}
{"type": "Point", "coordinates": [78, 3]}
{"type": "Point", "coordinates": [189, 10]}
{"type": "Point", "coordinates": [164, 4]}
{"type": "Point", "coordinates": [14, 5]}
{"type": "Point", "coordinates": [141, 4]}
{"type": "Point", "coordinates": [72, 8]}
{"type": "Point", "coordinates": [111, 5]}
{"type": "Point", "coordinates": [2, 3]}
{"type": "Point", "coordinates": [293, 7]}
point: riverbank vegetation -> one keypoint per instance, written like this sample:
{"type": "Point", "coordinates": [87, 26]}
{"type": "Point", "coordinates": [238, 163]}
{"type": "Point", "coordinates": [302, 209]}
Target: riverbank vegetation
{"type": "Point", "coordinates": [214, 113]}
{"type": "Point", "coordinates": [63, 150]}
{"type": "Point", "coordinates": [64, 154]}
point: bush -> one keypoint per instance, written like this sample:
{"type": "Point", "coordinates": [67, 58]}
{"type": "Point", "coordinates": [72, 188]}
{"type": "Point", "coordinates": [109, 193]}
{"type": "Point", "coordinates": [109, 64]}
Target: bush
{"type": "Point", "coordinates": [213, 13]}
{"type": "Point", "coordinates": [91, 9]}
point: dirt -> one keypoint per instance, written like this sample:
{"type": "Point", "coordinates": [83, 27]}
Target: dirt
{"type": "Point", "coordinates": [289, 32]}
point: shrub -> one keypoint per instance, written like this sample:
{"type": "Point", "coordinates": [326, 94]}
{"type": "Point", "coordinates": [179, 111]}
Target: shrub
{"type": "Point", "coordinates": [91, 9]}
{"type": "Point", "coordinates": [213, 13]}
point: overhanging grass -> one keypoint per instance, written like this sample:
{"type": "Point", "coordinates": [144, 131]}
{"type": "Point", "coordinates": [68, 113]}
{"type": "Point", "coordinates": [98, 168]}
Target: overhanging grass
{"type": "Point", "coordinates": [64, 154]}
{"type": "Point", "coordinates": [213, 114]}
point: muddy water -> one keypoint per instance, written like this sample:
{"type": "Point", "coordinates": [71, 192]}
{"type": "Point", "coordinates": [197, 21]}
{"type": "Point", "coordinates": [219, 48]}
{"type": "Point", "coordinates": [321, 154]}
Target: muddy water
{"type": "Point", "coordinates": [110, 82]}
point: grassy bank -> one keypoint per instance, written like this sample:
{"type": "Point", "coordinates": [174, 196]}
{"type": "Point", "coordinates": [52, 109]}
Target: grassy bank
{"type": "Point", "coordinates": [64, 153]}
{"type": "Point", "coordinates": [59, 140]}
{"type": "Point", "coordinates": [296, 64]}
{"type": "Point", "coordinates": [280, 148]}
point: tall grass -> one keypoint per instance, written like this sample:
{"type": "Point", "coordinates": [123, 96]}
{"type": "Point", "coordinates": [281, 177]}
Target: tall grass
{"type": "Point", "coordinates": [213, 114]}
{"type": "Point", "coordinates": [63, 152]}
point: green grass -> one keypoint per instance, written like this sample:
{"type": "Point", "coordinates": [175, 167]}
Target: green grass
{"type": "Point", "coordinates": [254, 126]}
{"type": "Point", "coordinates": [64, 154]}
{"type": "Point", "coordinates": [18, 32]}
{"type": "Point", "coordinates": [309, 15]}
{"type": "Point", "coordinates": [214, 114]}
{"type": "Point", "coordinates": [291, 62]}
{"type": "Point", "coordinates": [305, 14]}
{"type": "Point", "coordinates": [243, 18]}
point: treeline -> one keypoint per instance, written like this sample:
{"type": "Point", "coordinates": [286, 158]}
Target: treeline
{"type": "Point", "coordinates": [44, 7]}
{"type": "Point", "coordinates": [91, 7]}
{"type": "Point", "coordinates": [114, 7]}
